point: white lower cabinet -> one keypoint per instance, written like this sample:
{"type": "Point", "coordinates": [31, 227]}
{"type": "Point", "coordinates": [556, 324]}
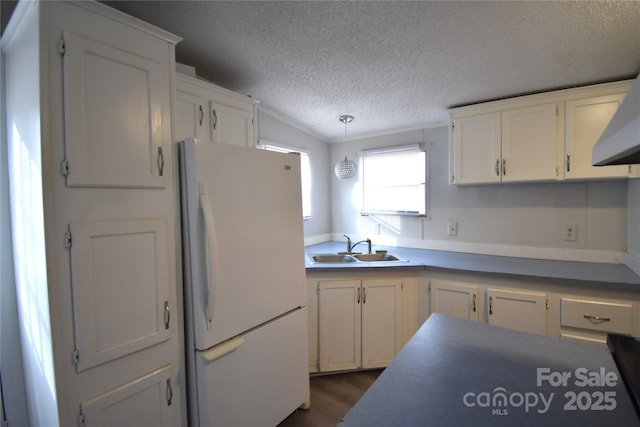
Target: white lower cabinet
{"type": "Point", "coordinates": [359, 323]}
{"type": "Point", "coordinates": [524, 311]}
{"type": "Point", "coordinates": [455, 299]}
{"type": "Point", "coordinates": [589, 320]}
{"type": "Point", "coordinates": [578, 311]}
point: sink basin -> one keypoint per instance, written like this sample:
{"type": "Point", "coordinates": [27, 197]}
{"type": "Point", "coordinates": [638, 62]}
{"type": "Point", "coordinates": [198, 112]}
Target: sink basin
{"type": "Point", "coordinates": [376, 257]}
{"type": "Point", "coordinates": [333, 258]}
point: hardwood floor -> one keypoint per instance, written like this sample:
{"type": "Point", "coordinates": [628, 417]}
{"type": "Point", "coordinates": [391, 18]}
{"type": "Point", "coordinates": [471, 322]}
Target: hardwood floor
{"type": "Point", "coordinates": [331, 398]}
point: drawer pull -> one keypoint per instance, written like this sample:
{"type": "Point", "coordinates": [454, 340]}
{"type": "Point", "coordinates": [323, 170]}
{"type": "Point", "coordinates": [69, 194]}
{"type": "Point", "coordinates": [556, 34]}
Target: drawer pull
{"type": "Point", "coordinates": [597, 318]}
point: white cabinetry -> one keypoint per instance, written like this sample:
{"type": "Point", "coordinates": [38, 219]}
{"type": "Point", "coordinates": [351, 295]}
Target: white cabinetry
{"type": "Point", "coordinates": [455, 299]}
{"type": "Point", "coordinates": [90, 122]}
{"type": "Point", "coordinates": [589, 320]}
{"type": "Point", "coordinates": [524, 311]}
{"type": "Point", "coordinates": [204, 110]}
{"type": "Point", "coordinates": [359, 323]}
{"type": "Point", "coordinates": [524, 139]}
{"type": "Point", "coordinates": [529, 143]}
{"type": "Point", "coordinates": [477, 148]}
{"type": "Point", "coordinates": [585, 120]}
{"type": "Point", "coordinates": [514, 145]}
{"type": "Point", "coordinates": [551, 307]}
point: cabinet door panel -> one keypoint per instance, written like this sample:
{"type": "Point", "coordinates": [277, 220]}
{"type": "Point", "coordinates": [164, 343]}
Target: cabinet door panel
{"type": "Point", "coordinates": [340, 325]}
{"type": "Point", "coordinates": [455, 299]}
{"type": "Point", "coordinates": [529, 143]}
{"type": "Point", "coordinates": [522, 311]}
{"type": "Point", "coordinates": [477, 148]}
{"type": "Point", "coordinates": [381, 329]}
{"type": "Point", "coordinates": [231, 125]}
{"type": "Point", "coordinates": [113, 116]}
{"type": "Point", "coordinates": [586, 119]}
{"type": "Point", "coordinates": [120, 288]}
{"type": "Point", "coordinates": [191, 119]}
{"type": "Point", "coordinates": [144, 401]}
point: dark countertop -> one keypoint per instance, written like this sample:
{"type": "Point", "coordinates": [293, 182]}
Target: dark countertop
{"type": "Point", "coordinates": [613, 276]}
{"type": "Point", "coordinates": [455, 372]}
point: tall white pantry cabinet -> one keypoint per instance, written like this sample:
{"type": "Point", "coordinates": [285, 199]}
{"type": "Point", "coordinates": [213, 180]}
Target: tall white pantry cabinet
{"type": "Point", "coordinates": [93, 200]}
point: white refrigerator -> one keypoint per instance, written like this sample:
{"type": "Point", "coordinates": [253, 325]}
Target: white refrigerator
{"type": "Point", "coordinates": [244, 284]}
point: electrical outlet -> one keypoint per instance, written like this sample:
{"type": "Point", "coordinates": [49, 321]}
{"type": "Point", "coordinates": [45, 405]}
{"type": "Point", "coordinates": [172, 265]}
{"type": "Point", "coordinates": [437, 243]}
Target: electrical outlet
{"type": "Point", "coordinates": [570, 233]}
{"type": "Point", "coordinates": [376, 229]}
{"type": "Point", "coordinates": [452, 228]}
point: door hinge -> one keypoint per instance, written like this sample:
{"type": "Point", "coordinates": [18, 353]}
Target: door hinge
{"type": "Point", "coordinates": [75, 356]}
{"type": "Point", "coordinates": [557, 111]}
{"type": "Point", "coordinates": [402, 286]}
{"type": "Point", "coordinates": [64, 167]}
{"type": "Point", "coordinates": [67, 240]}
{"type": "Point", "coordinates": [61, 47]}
{"type": "Point", "coordinates": [546, 304]}
{"type": "Point", "coordinates": [429, 287]}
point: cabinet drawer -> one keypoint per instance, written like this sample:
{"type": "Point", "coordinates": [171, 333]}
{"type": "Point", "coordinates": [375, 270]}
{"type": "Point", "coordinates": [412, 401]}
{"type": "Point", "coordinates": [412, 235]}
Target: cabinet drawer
{"type": "Point", "coordinates": [597, 315]}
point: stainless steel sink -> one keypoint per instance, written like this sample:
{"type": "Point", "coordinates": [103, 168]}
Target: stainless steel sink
{"type": "Point", "coordinates": [377, 257]}
{"type": "Point", "coordinates": [333, 258]}
{"type": "Point", "coordinates": [347, 258]}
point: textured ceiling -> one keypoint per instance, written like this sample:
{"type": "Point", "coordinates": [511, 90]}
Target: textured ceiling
{"type": "Point", "coordinates": [396, 65]}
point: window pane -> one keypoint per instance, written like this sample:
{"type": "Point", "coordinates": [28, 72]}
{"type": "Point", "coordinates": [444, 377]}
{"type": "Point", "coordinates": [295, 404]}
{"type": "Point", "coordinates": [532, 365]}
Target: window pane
{"type": "Point", "coordinates": [394, 182]}
{"type": "Point", "coordinates": [305, 173]}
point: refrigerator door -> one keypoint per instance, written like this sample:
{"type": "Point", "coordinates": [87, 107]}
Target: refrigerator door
{"type": "Point", "coordinates": [244, 250]}
{"type": "Point", "coordinates": [256, 379]}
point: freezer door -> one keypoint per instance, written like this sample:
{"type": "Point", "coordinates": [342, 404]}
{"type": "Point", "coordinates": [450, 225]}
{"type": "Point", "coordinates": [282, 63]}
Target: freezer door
{"type": "Point", "coordinates": [245, 250]}
{"type": "Point", "coordinates": [258, 379]}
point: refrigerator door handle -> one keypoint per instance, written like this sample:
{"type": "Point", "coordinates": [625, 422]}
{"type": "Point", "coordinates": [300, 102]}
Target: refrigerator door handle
{"type": "Point", "coordinates": [210, 252]}
{"type": "Point", "coordinates": [222, 349]}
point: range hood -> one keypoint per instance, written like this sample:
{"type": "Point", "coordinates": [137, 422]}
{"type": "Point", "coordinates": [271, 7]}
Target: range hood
{"type": "Point", "coordinates": [620, 141]}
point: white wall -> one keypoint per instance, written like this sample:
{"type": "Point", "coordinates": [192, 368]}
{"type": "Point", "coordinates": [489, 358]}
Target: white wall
{"type": "Point", "coordinates": [277, 130]}
{"type": "Point", "coordinates": [14, 393]}
{"type": "Point", "coordinates": [504, 219]}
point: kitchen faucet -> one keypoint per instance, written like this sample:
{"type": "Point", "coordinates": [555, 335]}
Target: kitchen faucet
{"type": "Point", "coordinates": [350, 247]}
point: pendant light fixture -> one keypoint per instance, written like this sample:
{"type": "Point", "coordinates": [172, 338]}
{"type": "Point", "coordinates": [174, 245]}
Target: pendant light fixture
{"type": "Point", "coordinates": [346, 168]}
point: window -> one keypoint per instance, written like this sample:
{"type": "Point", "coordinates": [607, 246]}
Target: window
{"type": "Point", "coordinates": [305, 171]}
{"type": "Point", "coordinates": [394, 181]}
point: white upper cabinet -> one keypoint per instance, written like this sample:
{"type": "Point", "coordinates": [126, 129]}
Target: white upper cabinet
{"type": "Point", "coordinates": [204, 110]}
{"type": "Point", "coordinates": [477, 144]}
{"type": "Point", "coordinates": [585, 120]}
{"type": "Point", "coordinates": [514, 145]}
{"type": "Point", "coordinates": [542, 137]}
{"type": "Point", "coordinates": [529, 143]}
{"type": "Point", "coordinates": [113, 115]}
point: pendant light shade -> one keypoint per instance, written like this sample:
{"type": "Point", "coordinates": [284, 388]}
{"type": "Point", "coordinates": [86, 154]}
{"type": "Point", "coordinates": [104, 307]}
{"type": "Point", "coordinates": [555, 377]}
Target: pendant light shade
{"type": "Point", "coordinates": [346, 168]}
